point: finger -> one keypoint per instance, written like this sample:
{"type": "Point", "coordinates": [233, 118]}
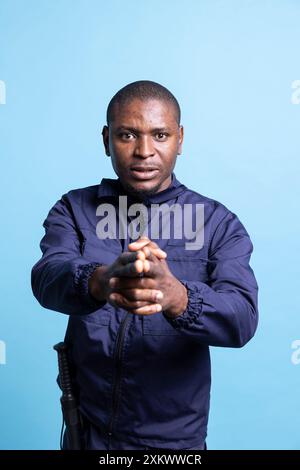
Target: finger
{"type": "Point", "coordinates": [150, 269]}
{"type": "Point", "coordinates": [159, 253]}
{"type": "Point", "coordinates": [147, 250]}
{"type": "Point", "coordinates": [145, 295]}
{"type": "Point", "coordinates": [149, 262]}
{"type": "Point", "coordinates": [129, 270]}
{"type": "Point", "coordinates": [155, 249]}
{"type": "Point", "coordinates": [127, 257]}
{"type": "Point", "coordinates": [118, 283]}
{"type": "Point", "coordinates": [153, 268]}
{"type": "Point", "coordinates": [147, 310]}
{"type": "Point", "coordinates": [122, 302]}
{"type": "Point", "coordinates": [142, 242]}
{"type": "Point", "coordinates": [145, 244]}
{"type": "Point", "coordinates": [147, 266]}
{"type": "Point", "coordinates": [139, 244]}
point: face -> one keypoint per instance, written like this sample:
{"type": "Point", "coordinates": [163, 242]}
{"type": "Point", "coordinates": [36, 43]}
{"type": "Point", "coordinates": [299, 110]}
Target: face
{"type": "Point", "coordinates": [143, 141]}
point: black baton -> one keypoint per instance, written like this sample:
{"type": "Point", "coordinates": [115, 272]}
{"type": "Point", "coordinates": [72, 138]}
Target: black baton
{"type": "Point", "coordinates": [69, 406]}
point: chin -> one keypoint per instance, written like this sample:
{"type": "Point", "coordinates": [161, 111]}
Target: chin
{"type": "Point", "coordinates": [141, 188]}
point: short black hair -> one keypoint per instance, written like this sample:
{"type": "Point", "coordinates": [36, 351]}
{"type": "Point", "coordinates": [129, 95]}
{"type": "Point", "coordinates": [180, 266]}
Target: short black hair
{"type": "Point", "coordinates": [143, 90]}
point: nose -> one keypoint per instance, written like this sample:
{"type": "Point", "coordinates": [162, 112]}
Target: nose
{"type": "Point", "coordinates": [144, 147]}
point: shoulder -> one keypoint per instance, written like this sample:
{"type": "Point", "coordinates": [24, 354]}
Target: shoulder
{"type": "Point", "coordinates": [219, 219]}
{"type": "Point", "coordinates": [80, 196]}
{"type": "Point", "coordinates": [212, 207]}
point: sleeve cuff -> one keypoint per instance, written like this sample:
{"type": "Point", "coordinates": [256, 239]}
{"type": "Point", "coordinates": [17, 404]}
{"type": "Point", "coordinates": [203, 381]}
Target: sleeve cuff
{"type": "Point", "coordinates": [81, 282]}
{"type": "Point", "coordinates": [194, 307]}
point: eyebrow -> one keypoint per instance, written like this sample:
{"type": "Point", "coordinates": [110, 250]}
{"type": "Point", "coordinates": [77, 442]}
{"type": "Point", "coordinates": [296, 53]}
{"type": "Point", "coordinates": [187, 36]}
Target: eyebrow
{"type": "Point", "coordinates": [138, 131]}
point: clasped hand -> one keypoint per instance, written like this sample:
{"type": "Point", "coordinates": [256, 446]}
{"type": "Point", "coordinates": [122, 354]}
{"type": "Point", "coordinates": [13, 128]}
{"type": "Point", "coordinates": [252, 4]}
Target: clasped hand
{"type": "Point", "coordinates": [140, 281]}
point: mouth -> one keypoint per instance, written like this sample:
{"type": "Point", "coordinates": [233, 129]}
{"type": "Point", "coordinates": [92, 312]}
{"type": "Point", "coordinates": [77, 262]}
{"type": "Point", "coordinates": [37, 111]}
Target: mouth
{"type": "Point", "coordinates": [144, 173]}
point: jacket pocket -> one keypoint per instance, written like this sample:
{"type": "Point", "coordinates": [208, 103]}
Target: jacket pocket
{"type": "Point", "coordinates": [99, 317]}
{"type": "Point", "coordinates": [157, 324]}
{"type": "Point", "coordinates": [189, 265]}
{"type": "Point", "coordinates": [189, 269]}
{"type": "Point", "coordinates": [177, 249]}
{"type": "Point", "coordinates": [95, 249]}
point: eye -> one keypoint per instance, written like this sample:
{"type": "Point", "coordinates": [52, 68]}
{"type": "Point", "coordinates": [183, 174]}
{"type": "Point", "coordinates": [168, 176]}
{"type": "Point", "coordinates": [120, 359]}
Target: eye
{"type": "Point", "coordinates": [161, 136]}
{"type": "Point", "coordinates": [126, 136]}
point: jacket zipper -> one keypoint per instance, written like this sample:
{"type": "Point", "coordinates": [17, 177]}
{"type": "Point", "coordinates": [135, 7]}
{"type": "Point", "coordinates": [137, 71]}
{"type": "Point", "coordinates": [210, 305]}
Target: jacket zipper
{"type": "Point", "coordinates": [117, 376]}
{"type": "Point", "coordinates": [118, 359]}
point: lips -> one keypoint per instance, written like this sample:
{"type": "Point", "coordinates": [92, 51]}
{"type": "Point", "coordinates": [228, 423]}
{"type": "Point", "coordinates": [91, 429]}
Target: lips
{"type": "Point", "coordinates": [143, 172]}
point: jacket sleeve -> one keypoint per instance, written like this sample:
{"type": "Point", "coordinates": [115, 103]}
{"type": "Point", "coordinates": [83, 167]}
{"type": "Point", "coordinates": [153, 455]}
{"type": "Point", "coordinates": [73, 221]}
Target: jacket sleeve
{"type": "Point", "coordinates": [223, 312]}
{"type": "Point", "coordinates": [59, 279]}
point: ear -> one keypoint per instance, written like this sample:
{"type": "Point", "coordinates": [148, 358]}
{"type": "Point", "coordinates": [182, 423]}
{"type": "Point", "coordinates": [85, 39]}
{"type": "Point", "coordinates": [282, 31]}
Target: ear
{"type": "Point", "coordinates": [105, 136]}
{"type": "Point", "coordinates": [180, 140]}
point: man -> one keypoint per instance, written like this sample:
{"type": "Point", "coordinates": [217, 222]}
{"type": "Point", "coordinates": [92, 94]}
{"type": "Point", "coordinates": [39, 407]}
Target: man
{"type": "Point", "coordinates": [143, 310]}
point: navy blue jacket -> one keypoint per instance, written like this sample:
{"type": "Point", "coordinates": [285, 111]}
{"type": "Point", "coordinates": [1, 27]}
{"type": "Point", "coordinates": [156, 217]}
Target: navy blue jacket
{"type": "Point", "coordinates": [144, 380]}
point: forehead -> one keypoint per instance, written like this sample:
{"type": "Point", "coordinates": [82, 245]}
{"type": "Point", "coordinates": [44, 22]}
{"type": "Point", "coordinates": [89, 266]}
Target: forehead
{"type": "Point", "coordinates": [145, 113]}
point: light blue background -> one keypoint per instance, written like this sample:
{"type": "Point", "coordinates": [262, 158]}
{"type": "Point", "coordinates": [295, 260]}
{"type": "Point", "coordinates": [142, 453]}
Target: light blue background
{"type": "Point", "coordinates": [231, 65]}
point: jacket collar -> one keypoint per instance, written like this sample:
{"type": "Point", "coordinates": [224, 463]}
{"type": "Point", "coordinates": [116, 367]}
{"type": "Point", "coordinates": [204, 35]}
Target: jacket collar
{"type": "Point", "coordinates": [113, 188]}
